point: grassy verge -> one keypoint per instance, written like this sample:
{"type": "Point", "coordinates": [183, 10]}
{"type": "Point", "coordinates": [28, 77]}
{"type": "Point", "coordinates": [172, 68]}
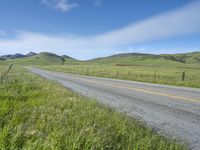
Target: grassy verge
{"type": "Point", "coordinates": [40, 114]}
{"type": "Point", "coordinates": [3, 72]}
{"type": "Point", "coordinates": [3, 68]}
{"type": "Point", "coordinates": [171, 75]}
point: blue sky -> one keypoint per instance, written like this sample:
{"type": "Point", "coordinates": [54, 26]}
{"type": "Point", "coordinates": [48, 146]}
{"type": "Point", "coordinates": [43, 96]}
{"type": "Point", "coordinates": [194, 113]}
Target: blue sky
{"type": "Point", "coordinates": [93, 28]}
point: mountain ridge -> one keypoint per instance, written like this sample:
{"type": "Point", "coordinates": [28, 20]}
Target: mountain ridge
{"type": "Point", "coordinates": [43, 58]}
{"type": "Point", "coordinates": [47, 58]}
{"type": "Point", "coordinates": [17, 55]}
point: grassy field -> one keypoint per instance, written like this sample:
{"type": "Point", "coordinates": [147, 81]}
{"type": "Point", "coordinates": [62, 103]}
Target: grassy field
{"type": "Point", "coordinates": [170, 74]}
{"type": "Point", "coordinates": [162, 69]}
{"type": "Point", "coordinates": [3, 68]}
{"type": "Point", "coordinates": [40, 114]}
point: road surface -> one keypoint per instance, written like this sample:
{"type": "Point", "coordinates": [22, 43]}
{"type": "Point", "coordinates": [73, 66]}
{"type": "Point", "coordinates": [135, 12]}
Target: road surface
{"type": "Point", "coordinates": [170, 110]}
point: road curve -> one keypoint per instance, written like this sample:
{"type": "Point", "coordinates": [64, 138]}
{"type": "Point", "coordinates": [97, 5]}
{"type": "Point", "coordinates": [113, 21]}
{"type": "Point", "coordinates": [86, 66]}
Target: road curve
{"type": "Point", "coordinates": [172, 111]}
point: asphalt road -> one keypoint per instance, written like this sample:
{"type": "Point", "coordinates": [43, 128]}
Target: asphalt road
{"type": "Point", "coordinates": [170, 110]}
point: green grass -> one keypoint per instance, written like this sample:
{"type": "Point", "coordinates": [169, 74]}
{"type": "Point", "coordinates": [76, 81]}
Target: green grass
{"type": "Point", "coordinates": [161, 69]}
{"type": "Point", "coordinates": [3, 68]}
{"type": "Point", "coordinates": [164, 74]}
{"type": "Point", "coordinates": [40, 114]}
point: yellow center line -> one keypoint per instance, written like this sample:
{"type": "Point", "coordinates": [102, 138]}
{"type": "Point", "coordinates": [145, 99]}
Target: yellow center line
{"type": "Point", "coordinates": [144, 90]}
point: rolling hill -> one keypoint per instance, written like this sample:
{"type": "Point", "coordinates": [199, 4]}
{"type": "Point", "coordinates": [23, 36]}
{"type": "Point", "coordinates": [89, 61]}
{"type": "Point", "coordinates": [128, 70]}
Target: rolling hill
{"type": "Point", "coordinates": [129, 59]}
{"type": "Point", "coordinates": [43, 58]}
{"type": "Point", "coordinates": [126, 59]}
{"type": "Point", "coordinates": [189, 58]}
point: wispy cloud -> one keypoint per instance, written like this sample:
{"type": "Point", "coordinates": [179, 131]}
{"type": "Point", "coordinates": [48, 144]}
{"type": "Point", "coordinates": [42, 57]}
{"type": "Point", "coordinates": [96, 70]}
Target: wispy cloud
{"type": "Point", "coordinates": [3, 33]}
{"type": "Point", "coordinates": [97, 2]}
{"type": "Point", "coordinates": [182, 21]}
{"type": "Point", "coordinates": [63, 5]}
{"type": "Point", "coordinates": [179, 22]}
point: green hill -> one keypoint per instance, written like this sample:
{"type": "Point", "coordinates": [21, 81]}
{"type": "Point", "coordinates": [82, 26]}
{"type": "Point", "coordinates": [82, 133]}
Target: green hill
{"type": "Point", "coordinates": [43, 58]}
{"type": "Point", "coordinates": [189, 58]}
{"type": "Point", "coordinates": [129, 59]}
{"type": "Point", "coordinates": [126, 59]}
{"type": "Point", "coordinates": [132, 59]}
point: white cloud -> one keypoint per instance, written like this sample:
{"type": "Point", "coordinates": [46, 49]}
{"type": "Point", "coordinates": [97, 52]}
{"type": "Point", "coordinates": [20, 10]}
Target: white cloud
{"type": "Point", "coordinates": [179, 22]}
{"type": "Point", "coordinates": [183, 21]}
{"type": "Point", "coordinates": [63, 5]}
{"type": "Point", "coordinates": [2, 33]}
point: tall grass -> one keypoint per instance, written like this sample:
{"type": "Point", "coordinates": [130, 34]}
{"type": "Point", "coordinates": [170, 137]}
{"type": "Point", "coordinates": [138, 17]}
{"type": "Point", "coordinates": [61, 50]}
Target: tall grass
{"type": "Point", "coordinates": [171, 75]}
{"type": "Point", "coordinates": [3, 68]}
{"type": "Point", "coordinates": [40, 114]}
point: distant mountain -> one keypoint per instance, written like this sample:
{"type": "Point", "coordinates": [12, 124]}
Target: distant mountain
{"type": "Point", "coordinates": [1, 58]}
{"type": "Point", "coordinates": [18, 55]}
{"type": "Point", "coordinates": [31, 54]}
{"type": "Point", "coordinates": [13, 56]}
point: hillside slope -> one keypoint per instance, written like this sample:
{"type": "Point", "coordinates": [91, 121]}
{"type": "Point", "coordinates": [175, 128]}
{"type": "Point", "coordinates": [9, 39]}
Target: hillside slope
{"type": "Point", "coordinates": [135, 59]}
{"type": "Point", "coordinates": [189, 58]}
{"type": "Point", "coordinates": [43, 58]}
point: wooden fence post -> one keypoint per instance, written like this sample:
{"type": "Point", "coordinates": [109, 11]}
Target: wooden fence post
{"type": "Point", "coordinates": [183, 76]}
{"type": "Point", "coordinates": [1, 79]}
{"type": "Point", "coordinates": [10, 67]}
{"type": "Point", "coordinates": [154, 76]}
{"type": "Point", "coordinates": [117, 73]}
